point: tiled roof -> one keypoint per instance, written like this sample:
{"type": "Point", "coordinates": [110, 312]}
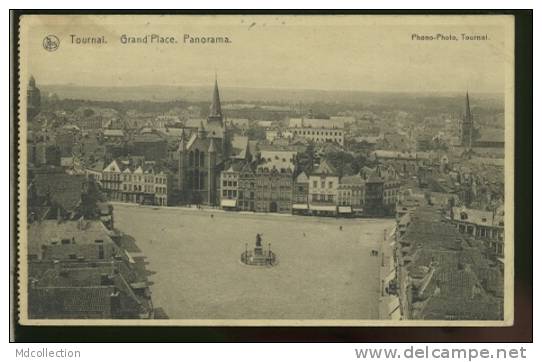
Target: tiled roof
{"type": "Point", "coordinates": [278, 159]}
{"type": "Point", "coordinates": [478, 217]}
{"type": "Point", "coordinates": [240, 146]}
{"type": "Point", "coordinates": [325, 167]}
{"type": "Point", "coordinates": [451, 277]}
{"type": "Point", "coordinates": [63, 189]}
{"type": "Point", "coordinates": [84, 232]}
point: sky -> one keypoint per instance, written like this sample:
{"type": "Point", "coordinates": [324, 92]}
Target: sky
{"type": "Point", "coordinates": [365, 53]}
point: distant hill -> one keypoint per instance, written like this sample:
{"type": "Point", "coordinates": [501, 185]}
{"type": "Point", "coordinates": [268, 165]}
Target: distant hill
{"type": "Point", "coordinates": [235, 94]}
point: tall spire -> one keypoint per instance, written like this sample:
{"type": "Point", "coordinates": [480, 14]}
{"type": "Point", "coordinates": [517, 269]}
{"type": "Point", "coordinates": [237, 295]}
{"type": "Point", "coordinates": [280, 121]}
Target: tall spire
{"type": "Point", "coordinates": [468, 117]}
{"type": "Point", "coordinates": [215, 110]}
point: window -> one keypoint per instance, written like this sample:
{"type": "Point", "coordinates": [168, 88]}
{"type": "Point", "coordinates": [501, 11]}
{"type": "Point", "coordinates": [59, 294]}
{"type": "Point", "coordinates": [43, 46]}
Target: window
{"type": "Point", "coordinates": [315, 184]}
{"type": "Point", "coordinates": [196, 158]}
{"type": "Point", "coordinates": [201, 180]}
{"type": "Point", "coordinates": [330, 184]}
{"type": "Point", "coordinates": [225, 193]}
{"type": "Point", "coordinates": [323, 184]}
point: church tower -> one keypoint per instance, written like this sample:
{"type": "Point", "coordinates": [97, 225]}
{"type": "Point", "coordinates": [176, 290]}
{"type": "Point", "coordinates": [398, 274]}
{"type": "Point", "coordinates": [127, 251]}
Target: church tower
{"type": "Point", "coordinates": [211, 172]}
{"type": "Point", "coordinates": [33, 99]}
{"type": "Point", "coordinates": [467, 125]}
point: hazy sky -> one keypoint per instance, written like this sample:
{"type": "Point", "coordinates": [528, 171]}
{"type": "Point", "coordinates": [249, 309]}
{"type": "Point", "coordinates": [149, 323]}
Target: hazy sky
{"type": "Point", "coordinates": [339, 52]}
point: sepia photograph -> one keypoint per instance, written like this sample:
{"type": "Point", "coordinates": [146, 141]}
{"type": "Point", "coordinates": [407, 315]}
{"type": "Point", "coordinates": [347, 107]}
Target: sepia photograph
{"type": "Point", "coordinates": [266, 170]}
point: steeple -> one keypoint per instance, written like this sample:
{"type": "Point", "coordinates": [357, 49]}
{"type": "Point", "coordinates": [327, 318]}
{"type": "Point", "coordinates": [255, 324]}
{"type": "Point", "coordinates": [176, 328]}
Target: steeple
{"type": "Point", "coordinates": [215, 110]}
{"type": "Point", "coordinates": [468, 118]}
{"type": "Point", "coordinates": [467, 125]}
{"type": "Point", "coordinates": [31, 82]}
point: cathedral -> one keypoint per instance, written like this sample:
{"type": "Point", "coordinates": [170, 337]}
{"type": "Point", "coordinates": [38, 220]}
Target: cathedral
{"type": "Point", "coordinates": [202, 155]}
{"type": "Point", "coordinates": [33, 99]}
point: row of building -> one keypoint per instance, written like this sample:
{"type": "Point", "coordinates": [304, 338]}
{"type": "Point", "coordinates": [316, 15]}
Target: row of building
{"type": "Point", "coordinates": [273, 186]}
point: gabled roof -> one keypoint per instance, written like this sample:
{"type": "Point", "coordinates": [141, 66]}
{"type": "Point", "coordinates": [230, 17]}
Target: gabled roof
{"type": "Point", "coordinates": [325, 168]}
{"type": "Point", "coordinates": [240, 146]}
{"type": "Point", "coordinates": [114, 166]}
{"type": "Point", "coordinates": [302, 178]}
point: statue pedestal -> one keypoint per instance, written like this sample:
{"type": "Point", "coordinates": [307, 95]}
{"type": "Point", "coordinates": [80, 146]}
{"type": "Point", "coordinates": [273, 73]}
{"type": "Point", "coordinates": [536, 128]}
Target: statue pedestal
{"type": "Point", "coordinates": [258, 256]}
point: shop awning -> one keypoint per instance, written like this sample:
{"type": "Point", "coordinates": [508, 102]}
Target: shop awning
{"type": "Point", "coordinates": [228, 203]}
{"type": "Point", "coordinates": [345, 209]}
{"type": "Point", "coordinates": [323, 208]}
{"type": "Point", "coordinates": [300, 206]}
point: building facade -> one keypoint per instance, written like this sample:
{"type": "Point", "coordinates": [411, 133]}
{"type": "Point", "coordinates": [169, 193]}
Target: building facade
{"type": "Point", "coordinates": [142, 184]}
{"type": "Point", "coordinates": [273, 191]}
{"type": "Point", "coordinates": [301, 194]}
{"type": "Point", "coordinates": [351, 194]}
{"type": "Point", "coordinates": [229, 188]}
{"type": "Point", "coordinates": [247, 189]}
{"type": "Point", "coordinates": [323, 186]}
{"type": "Point", "coordinates": [481, 225]}
{"type": "Point", "coordinates": [318, 130]}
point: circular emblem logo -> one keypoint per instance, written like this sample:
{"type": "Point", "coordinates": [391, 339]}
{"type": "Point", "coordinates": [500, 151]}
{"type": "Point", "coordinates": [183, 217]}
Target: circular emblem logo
{"type": "Point", "coordinates": [51, 43]}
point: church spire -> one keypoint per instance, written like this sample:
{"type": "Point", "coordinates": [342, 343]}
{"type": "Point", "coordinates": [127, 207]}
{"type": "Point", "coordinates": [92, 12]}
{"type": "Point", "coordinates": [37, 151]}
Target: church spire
{"type": "Point", "coordinates": [215, 110]}
{"type": "Point", "coordinates": [468, 117]}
